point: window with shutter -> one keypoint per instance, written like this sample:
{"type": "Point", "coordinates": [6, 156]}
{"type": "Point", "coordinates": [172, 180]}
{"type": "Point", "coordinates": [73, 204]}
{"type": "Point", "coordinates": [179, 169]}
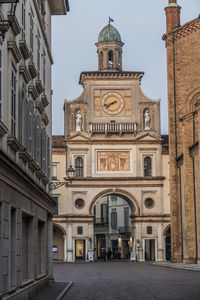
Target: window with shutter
{"type": "Point", "coordinates": [79, 167]}
{"type": "Point", "coordinates": [23, 29]}
{"type": "Point", "coordinates": [13, 103]}
{"type": "Point", "coordinates": [0, 86]}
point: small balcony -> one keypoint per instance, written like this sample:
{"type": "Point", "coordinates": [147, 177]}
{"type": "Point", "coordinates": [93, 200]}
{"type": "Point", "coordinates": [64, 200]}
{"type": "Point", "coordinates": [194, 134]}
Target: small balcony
{"type": "Point", "coordinates": [113, 127]}
{"type": "Point", "coordinates": [102, 221]}
{"type": "Point", "coordinates": [124, 229]}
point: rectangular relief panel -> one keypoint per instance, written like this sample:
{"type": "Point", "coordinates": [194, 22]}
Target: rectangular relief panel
{"type": "Point", "coordinates": [113, 161]}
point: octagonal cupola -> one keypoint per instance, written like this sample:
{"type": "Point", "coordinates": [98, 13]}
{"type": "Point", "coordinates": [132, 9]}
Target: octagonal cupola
{"type": "Point", "coordinates": [109, 49]}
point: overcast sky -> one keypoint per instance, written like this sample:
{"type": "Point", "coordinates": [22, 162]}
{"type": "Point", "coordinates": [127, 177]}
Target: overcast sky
{"type": "Point", "coordinates": [141, 24]}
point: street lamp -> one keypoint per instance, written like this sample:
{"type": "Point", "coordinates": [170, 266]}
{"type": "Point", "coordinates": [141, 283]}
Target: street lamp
{"type": "Point", "coordinates": [70, 176]}
{"type": "Point", "coordinates": [6, 24]}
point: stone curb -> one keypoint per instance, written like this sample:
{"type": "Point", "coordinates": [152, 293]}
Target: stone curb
{"type": "Point", "coordinates": [64, 291]}
{"type": "Point", "coordinates": [195, 268]}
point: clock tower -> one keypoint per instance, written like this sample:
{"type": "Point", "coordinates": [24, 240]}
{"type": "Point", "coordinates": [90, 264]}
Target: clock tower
{"type": "Point", "coordinates": [112, 139]}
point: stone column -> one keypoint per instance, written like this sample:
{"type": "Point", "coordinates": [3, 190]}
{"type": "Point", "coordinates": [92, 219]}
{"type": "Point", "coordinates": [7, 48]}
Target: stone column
{"type": "Point", "coordinates": [65, 247]}
{"type": "Point", "coordinates": [160, 243]}
{"type": "Point", "coordinates": [69, 243]}
{"type": "Point", "coordinates": [139, 245]}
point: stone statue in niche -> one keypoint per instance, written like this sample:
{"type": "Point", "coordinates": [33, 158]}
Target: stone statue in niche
{"type": "Point", "coordinates": [78, 121]}
{"type": "Point", "coordinates": [147, 120]}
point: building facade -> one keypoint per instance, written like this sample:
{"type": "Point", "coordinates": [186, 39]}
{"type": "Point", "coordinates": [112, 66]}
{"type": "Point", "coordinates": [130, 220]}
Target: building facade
{"type": "Point", "coordinates": [183, 56]}
{"type": "Point", "coordinates": [118, 202]}
{"type": "Point", "coordinates": [26, 205]}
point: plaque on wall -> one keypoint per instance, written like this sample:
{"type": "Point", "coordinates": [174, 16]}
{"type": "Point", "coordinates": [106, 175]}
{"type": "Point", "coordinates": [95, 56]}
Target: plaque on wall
{"type": "Point", "coordinates": [109, 161]}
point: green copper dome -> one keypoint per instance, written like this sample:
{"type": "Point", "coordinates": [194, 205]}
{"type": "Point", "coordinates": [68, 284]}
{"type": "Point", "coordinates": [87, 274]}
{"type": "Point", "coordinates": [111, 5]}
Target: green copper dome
{"type": "Point", "coordinates": [108, 34]}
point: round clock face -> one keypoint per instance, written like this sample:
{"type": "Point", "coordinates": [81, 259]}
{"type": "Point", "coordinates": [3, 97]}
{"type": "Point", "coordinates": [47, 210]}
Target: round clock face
{"type": "Point", "coordinates": [112, 103]}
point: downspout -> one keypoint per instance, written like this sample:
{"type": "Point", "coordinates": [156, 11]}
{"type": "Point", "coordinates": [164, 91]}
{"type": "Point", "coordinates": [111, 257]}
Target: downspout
{"type": "Point", "coordinates": [194, 191]}
{"type": "Point", "coordinates": [175, 126]}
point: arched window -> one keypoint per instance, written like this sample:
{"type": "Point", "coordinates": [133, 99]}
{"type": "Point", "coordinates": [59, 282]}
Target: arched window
{"type": "Point", "coordinates": [79, 167]}
{"type": "Point", "coordinates": [101, 60]}
{"type": "Point", "coordinates": [110, 59]}
{"type": "Point", "coordinates": [147, 166]}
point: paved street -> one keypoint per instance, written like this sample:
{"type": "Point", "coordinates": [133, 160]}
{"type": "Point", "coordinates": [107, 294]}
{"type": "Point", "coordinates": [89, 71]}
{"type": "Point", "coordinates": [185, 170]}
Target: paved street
{"type": "Point", "coordinates": [126, 280]}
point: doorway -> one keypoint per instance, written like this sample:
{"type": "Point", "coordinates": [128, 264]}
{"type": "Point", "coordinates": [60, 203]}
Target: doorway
{"type": "Point", "coordinates": [101, 245]}
{"type": "Point", "coordinates": [149, 250]}
{"type": "Point", "coordinates": [168, 244]}
{"type": "Point", "coordinates": [80, 249]}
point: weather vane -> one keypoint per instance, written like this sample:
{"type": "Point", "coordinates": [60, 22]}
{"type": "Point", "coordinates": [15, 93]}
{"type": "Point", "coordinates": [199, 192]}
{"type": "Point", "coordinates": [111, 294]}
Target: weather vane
{"type": "Point", "coordinates": [110, 20]}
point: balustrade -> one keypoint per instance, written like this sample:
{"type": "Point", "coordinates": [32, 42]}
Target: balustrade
{"type": "Point", "coordinates": [113, 127]}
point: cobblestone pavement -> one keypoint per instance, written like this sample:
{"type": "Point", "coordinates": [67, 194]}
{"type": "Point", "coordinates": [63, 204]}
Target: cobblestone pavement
{"type": "Point", "coordinates": [126, 280]}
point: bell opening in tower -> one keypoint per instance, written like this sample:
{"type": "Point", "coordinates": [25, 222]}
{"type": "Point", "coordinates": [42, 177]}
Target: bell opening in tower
{"type": "Point", "coordinates": [110, 59]}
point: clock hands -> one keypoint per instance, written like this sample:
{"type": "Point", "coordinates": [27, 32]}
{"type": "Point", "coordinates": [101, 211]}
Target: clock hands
{"type": "Point", "coordinates": [109, 104]}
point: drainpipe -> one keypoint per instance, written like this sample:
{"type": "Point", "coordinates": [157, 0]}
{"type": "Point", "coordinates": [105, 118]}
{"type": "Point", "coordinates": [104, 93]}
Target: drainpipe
{"type": "Point", "coordinates": [175, 125]}
{"type": "Point", "coordinates": [194, 191]}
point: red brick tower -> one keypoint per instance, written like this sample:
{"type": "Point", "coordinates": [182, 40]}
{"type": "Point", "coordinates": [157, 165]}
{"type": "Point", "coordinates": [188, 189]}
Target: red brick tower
{"type": "Point", "coordinates": [173, 15]}
{"type": "Point", "coordinates": [183, 77]}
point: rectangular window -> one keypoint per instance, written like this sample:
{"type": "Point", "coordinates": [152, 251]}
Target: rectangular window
{"type": "Point", "coordinates": [54, 175]}
{"type": "Point", "coordinates": [26, 123]}
{"type": "Point", "coordinates": [48, 157]}
{"type": "Point", "coordinates": [38, 54]}
{"type": "Point", "coordinates": [0, 87]}
{"type": "Point", "coordinates": [38, 138]}
{"type": "Point", "coordinates": [126, 218]}
{"type": "Point", "coordinates": [31, 36]}
{"type": "Point", "coordinates": [31, 115]}
{"type": "Point", "coordinates": [23, 19]}
{"type": "Point", "coordinates": [13, 104]}
{"type": "Point", "coordinates": [114, 219]}
{"type": "Point", "coordinates": [104, 213]}
{"type": "Point", "coordinates": [44, 69]}
{"type": "Point", "coordinates": [43, 11]}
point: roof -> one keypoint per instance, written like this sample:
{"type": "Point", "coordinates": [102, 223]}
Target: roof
{"type": "Point", "coordinates": [108, 34]}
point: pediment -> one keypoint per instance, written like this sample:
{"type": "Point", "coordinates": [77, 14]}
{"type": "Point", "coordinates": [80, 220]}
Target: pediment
{"type": "Point", "coordinates": [148, 137]}
{"type": "Point", "coordinates": [78, 137]}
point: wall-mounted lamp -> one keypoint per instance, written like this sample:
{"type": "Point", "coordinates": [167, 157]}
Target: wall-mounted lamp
{"type": "Point", "coordinates": [70, 176]}
{"type": "Point", "coordinates": [6, 24]}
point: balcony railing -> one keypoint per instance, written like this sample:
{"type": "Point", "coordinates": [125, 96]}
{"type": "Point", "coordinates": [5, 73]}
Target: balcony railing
{"type": "Point", "coordinates": [113, 127]}
{"type": "Point", "coordinates": [124, 229]}
{"type": "Point", "coordinates": [101, 221]}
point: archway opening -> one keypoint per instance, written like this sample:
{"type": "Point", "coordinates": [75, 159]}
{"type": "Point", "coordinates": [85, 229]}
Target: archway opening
{"type": "Point", "coordinates": [58, 243]}
{"type": "Point", "coordinates": [113, 233]}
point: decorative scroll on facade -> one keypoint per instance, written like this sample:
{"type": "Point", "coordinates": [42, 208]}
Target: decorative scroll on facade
{"type": "Point", "coordinates": [108, 161]}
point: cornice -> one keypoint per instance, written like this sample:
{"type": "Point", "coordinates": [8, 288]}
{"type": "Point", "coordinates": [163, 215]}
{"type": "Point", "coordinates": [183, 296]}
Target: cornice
{"type": "Point", "coordinates": [110, 75]}
{"type": "Point", "coordinates": [182, 31]}
{"type": "Point", "coordinates": [43, 31]}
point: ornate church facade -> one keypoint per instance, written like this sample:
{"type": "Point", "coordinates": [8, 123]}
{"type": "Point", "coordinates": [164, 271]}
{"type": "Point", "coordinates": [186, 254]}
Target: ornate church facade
{"type": "Point", "coordinates": [118, 202]}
